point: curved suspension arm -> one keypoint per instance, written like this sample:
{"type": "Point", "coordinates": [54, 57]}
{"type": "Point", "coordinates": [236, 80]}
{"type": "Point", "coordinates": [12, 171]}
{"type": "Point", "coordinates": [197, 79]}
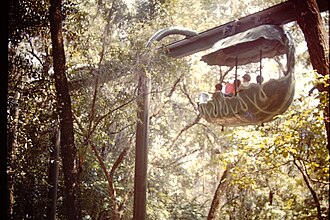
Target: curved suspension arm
{"type": "Point", "coordinates": [290, 54]}
{"type": "Point", "coordinates": [159, 35]}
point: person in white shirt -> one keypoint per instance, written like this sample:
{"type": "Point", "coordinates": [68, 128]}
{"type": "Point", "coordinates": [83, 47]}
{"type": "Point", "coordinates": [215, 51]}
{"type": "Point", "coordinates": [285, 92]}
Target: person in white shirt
{"type": "Point", "coordinates": [246, 82]}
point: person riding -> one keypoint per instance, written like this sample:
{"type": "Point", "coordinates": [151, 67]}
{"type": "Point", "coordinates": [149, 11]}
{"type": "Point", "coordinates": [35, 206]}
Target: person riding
{"type": "Point", "coordinates": [246, 81]}
{"type": "Point", "coordinates": [260, 79]}
{"type": "Point", "coordinates": [230, 87]}
{"type": "Point", "coordinates": [217, 92]}
{"type": "Point", "coordinates": [218, 87]}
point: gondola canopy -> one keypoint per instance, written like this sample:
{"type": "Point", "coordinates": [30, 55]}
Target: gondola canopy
{"type": "Point", "coordinates": [246, 46]}
{"type": "Point", "coordinates": [256, 103]}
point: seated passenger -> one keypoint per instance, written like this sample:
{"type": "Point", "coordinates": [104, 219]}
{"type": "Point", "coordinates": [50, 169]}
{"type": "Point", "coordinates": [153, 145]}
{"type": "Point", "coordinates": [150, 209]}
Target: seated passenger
{"type": "Point", "coordinates": [203, 98]}
{"type": "Point", "coordinates": [217, 91]}
{"type": "Point", "coordinates": [246, 81]}
{"type": "Point", "coordinates": [218, 87]}
{"type": "Point", "coordinates": [260, 79]}
{"type": "Point", "coordinates": [230, 88]}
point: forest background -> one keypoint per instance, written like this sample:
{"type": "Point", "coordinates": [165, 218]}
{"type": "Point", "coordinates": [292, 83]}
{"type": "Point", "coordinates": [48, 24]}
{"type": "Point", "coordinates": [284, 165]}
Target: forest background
{"type": "Point", "coordinates": [278, 170]}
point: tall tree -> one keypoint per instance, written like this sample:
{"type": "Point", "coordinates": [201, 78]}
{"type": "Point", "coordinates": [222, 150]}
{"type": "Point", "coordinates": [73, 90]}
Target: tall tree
{"type": "Point", "coordinates": [68, 149]}
{"type": "Point", "coordinates": [310, 22]}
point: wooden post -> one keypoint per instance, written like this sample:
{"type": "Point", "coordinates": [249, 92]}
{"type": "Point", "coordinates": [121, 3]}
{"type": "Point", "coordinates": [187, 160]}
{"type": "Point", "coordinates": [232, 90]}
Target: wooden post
{"type": "Point", "coordinates": [141, 148]}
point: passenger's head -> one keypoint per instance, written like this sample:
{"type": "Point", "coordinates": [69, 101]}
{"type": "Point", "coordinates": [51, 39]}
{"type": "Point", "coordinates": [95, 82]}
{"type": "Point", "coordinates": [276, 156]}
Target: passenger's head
{"type": "Point", "coordinates": [218, 87]}
{"type": "Point", "coordinates": [246, 78]}
{"type": "Point", "coordinates": [260, 79]}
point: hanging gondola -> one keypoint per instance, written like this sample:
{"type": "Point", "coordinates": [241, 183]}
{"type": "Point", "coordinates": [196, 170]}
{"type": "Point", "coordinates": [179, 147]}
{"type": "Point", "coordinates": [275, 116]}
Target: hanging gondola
{"type": "Point", "coordinates": [256, 103]}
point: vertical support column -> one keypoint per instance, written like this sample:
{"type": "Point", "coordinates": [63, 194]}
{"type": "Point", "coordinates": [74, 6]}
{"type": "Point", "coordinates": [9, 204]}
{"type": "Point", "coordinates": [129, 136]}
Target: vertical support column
{"type": "Point", "coordinates": [260, 66]}
{"type": "Point", "coordinates": [141, 148]}
{"type": "Point", "coordinates": [235, 82]}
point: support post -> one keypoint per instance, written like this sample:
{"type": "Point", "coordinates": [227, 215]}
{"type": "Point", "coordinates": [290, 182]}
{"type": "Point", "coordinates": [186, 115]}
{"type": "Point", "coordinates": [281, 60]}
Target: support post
{"type": "Point", "coordinates": [260, 67]}
{"type": "Point", "coordinates": [141, 148]}
{"type": "Point", "coordinates": [235, 82]}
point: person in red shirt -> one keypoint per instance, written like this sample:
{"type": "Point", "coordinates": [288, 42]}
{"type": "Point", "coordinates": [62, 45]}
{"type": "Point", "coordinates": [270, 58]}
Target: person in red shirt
{"type": "Point", "coordinates": [230, 87]}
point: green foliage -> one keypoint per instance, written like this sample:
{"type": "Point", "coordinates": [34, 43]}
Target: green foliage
{"type": "Point", "coordinates": [26, 18]}
{"type": "Point", "coordinates": [104, 43]}
{"type": "Point", "coordinates": [266, 165]}
{"type": "Point", "coordinates": [31, 95]}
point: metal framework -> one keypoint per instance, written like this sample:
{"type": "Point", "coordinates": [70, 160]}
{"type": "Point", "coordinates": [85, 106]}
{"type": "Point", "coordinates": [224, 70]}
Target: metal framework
{"type": "Point", "coordinates": [277, 15]}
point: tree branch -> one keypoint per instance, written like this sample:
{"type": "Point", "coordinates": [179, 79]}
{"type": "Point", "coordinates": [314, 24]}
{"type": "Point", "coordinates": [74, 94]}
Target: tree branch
{"type": "Point", "coordinates": [223, 75]}
{"type": "Point", "coordinates": [102, 52]}
{"type": "Point", "coordinates": [169, 95]}
{"type": "Point", "coordinates": [33, 53]}
{"type": "Point", "coordinates": [314, 195]}
{"type": "Point", "coordinates": [182, 156]}
{"type": "Point", "coordinates": [119, 160]}
{"type": "Point", "coordinates": [198, 117]}
{"type": "Point", "coordinates": [185, 92]}
{"type": "Point", "coordinates": [99, 119]}
{"type": "Point", "coordinates": [109, 178]}
{"type": "Point", "coordinates": [122, 204]}
{"type": "Point", "coordinates": [224, 181]}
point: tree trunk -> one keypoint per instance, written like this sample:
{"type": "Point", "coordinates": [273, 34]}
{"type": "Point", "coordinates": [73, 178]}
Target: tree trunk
{"type": "Point", "coordinates": [224, 181]}
{"type": "Point", "coordinates": [53, 175]}
{"type": "Point", "coordinates": [310, 22]}
{"type": "Point", "coordinates": [68, 150]}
